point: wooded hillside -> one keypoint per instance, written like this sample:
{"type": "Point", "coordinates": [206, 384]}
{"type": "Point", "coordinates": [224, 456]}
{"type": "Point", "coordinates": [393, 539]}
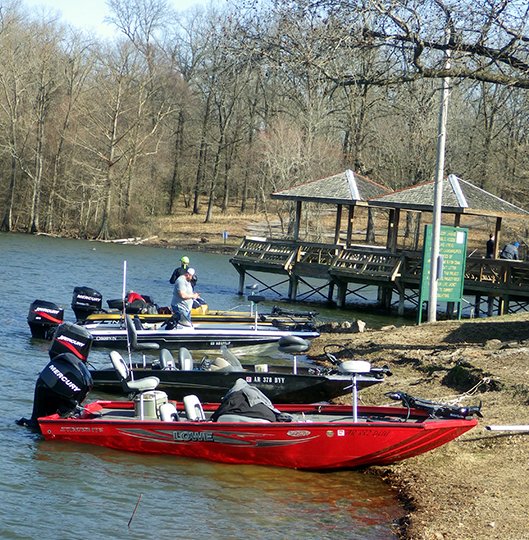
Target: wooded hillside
{"type": "Point", "coordinates": [213, 108]}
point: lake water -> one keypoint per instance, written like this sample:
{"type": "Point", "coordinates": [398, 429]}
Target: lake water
{"type": "Point", "coordinates": [64, 491]}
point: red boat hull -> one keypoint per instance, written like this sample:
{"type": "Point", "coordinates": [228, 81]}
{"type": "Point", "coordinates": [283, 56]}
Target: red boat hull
{"type": "Point", "coordinates": [312, 445]}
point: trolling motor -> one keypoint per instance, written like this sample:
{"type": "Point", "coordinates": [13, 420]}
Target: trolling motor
{"type": "Point", "coordinates": [435, 410]}
{"type": "Point", "coordinates": [65, 382]}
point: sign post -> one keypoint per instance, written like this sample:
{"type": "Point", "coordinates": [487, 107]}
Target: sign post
{"type": "Point", "coordinates": [450, 267]}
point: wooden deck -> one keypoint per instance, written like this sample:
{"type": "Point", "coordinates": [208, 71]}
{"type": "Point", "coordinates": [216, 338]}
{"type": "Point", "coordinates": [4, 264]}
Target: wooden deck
{"type": "Point", "coordinates": [503, 285]}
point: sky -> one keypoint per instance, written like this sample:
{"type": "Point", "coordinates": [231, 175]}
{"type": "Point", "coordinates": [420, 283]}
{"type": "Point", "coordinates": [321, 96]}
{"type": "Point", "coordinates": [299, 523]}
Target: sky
{"type": "Point", "coordinates": [89, 15]}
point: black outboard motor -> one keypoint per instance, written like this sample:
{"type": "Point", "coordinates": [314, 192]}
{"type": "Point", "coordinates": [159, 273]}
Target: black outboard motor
{"type": "Point", "coordinates": [71, 338]}
{"type": "Point", "coordinates": [86, 301]}
{"type": "Point", "coordinates": [43, 318]}
{"type": "Point", "coordinates": [62, 385]}
{"type": "Point", "coordinates": [65, 382]}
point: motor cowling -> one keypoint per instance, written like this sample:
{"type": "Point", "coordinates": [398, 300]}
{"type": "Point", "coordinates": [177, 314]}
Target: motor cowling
{"type": "Point", "coordinates": [62, 385]}
{"type": "Point", "coordinates": [43, 318]}
{"type": "Point", "coordinates": [86, 301]}
{"type": "Point", "coordinates": [71, 338]}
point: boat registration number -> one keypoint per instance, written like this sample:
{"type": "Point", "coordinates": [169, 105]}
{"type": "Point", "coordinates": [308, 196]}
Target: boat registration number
{"type": "Point", "coordinates": [265, 379]}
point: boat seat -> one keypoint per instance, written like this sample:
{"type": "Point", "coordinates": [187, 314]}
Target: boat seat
{"type": "Point", "coordinates": [193, 408]}
{"type": "Point", "coordinates": [185, 359]}
{"type": "Point", "coordinates": [168, 413]}
{"type": "Point", "coordinates": [293, 345]}
{"type": "Point", "coordinates": [231, 358]}
{"type": "Point", "coordinates": [240, 418]}
{"type": "Point", "coordinates": [132, 333]}
{"type": "Point", "coordinates": [166, 360]}
{"type": "Point", "coordinates": [135, 387]}
{"type": "Point", "coordinates": [220, 364]}
{"type": "Point", "coordinates": [354, 367]}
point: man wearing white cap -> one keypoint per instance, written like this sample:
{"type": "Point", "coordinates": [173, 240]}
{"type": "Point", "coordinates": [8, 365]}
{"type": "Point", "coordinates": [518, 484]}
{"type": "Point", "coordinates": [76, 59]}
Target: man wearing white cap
{"type": "Point", "coordinates": [183, 296]}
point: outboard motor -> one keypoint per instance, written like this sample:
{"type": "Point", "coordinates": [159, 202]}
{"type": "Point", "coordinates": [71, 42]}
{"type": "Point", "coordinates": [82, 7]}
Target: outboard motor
{"type": "Point", "coordinates": [71, 338]}
{"type": "Point", "coordinates": [62, 385]}
{"type": "Point", "coordinates": [43, 318]}
{"type": "Point", "coordinates": [86, 301]}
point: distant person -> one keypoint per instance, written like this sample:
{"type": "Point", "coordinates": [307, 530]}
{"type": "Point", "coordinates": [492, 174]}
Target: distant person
{"type": "Point", "coordinates": [490, 247]}
{"type": "Point", "coordinates": [183, 296]}
{"type": "Point", "coordinates": [510, 251]}
{"type": "Point", "coordinates": [181, 270]}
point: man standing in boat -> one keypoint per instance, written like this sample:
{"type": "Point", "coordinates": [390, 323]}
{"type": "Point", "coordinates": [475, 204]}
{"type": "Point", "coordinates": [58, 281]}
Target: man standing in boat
{"type": "Point", "coordinates": [181, 270]}
{"type": "Point", "coordinates": [183, 296]}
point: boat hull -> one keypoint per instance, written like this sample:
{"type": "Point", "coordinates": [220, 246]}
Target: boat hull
{"type": "Point", "coordinates": [211, 386]}
{"type": "Point", "coordinates": [329, 441]}
{"type": "Point", "coordinates": [199, 337]}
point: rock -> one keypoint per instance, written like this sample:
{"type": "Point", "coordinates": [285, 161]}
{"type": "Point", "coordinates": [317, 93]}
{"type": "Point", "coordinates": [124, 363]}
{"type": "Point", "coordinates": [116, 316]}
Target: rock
{"type": "Point", "coordinates": [511, 345]}
{"type": "Point", "coordinates": [388, 328]}
{"type": "Point", "coordinates": [344, 327]}
{"type": "Point", "coordinates": [359, 326]}
{"type": "Point", "coordinates": [493, 344]}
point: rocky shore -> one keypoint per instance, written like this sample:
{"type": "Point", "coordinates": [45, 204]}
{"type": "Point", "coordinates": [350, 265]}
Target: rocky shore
{"type": "Point", "coordinates": [476, 487]}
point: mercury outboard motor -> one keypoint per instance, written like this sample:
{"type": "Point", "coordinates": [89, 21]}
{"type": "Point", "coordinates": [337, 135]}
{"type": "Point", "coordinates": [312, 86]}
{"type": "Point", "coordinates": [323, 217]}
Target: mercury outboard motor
{"type": "Point", "coordinates": [43, 318]}
{"type": "Point", "coordinates": [71, 338]}
{"type": "Point", "coordinates": [86, 301]}
{"type": "Point", "coordinates": [62, 385]}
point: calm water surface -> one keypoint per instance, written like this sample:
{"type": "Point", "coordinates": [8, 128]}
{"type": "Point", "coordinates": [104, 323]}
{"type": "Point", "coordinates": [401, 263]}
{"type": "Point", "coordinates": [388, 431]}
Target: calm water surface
{"type": "Point", "coordinates": [65, 491]}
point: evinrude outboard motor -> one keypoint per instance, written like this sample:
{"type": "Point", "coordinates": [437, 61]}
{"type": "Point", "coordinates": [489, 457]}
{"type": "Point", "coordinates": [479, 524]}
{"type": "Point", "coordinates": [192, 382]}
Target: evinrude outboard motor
{"type": "Point", "coordinates": [43, 318]}
{"type": "Point", "coordinates": [71, 338]}
{"type": "Point", "coordinates": [62, 385]}
{"type": "Point", "coordinates": [86, 301]}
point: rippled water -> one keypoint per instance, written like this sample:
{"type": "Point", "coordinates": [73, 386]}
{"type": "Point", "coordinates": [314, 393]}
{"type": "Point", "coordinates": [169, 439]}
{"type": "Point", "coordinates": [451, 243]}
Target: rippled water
{"type": "Point", "coordinates": [65, 491]}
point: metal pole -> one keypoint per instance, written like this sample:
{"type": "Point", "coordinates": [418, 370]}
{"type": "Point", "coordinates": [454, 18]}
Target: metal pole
{"type": "Point", "coordinates": [438, 191]}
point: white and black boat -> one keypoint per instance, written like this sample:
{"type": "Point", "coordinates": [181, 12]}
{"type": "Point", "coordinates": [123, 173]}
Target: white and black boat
{"type": "Point", "coordinates": [211, 327]}
{"type": "Point", "coordinates": [199, 336]}
{"type": "Point", "coordinates": [210, 379]}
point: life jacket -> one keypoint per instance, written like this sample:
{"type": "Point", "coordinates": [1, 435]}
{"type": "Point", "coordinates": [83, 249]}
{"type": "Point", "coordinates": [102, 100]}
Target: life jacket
{"type": "Point", "coordinates": [132, 296]}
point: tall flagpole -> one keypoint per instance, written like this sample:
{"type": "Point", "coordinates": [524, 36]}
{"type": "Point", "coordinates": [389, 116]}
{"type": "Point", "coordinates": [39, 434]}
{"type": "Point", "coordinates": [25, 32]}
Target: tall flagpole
{"type": "Point", "coordinates": [438, 190]}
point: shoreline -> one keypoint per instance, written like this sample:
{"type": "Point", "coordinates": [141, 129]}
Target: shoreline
{"type": "Point", "coordinates": [476, 486]}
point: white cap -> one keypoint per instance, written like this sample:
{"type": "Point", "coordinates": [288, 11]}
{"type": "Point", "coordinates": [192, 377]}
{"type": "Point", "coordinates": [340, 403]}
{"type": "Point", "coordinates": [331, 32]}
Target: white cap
{"type": "Point", "coordinates": [190, 271]}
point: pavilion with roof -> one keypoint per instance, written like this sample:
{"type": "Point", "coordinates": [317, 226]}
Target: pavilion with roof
{"type": "Point", "coordinates": [350, 267]}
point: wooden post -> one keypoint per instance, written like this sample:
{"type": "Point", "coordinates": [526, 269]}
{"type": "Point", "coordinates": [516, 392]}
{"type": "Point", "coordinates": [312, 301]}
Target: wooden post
{"type": "Point", "coordinates": [490, 306]}
{"type": "Point", "coordinates": [338, 225]}
{"type": "Point", "coordinates": [350, 218]}
{"type": "Point", "coordinates": [293, 287]}
{"type": "Point", "coordinates": [402, 299]}
{"type": "Point", "coordinates": [241, 280]}
{"type": "Point", "coordinates": [330, 292]}
{"type": "Point", "coordinates": [342, 292]}
{"type": "Point", "coordinates": [497, 237]}
{"type": "Point", "coordinates": [298, 221]}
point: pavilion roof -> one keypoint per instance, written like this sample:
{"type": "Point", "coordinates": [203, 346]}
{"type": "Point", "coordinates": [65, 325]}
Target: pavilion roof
{"type": "Point", "coordinates": [344, 188]}
{"type": "Point", "coordinates": [459, 197]}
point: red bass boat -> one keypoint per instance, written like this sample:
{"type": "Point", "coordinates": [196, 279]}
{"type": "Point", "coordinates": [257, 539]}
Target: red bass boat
{"type": "Point", "coordinates": [317, 437]}
{"type": "Point", "coordinates": [245, 427]}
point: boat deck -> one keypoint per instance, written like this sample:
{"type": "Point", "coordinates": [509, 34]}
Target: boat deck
{"type": "Point", "coordinates": [113, 413]}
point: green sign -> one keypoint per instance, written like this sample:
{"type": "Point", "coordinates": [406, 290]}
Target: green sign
{"type": "Point", "coordinates": [452, 260]}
